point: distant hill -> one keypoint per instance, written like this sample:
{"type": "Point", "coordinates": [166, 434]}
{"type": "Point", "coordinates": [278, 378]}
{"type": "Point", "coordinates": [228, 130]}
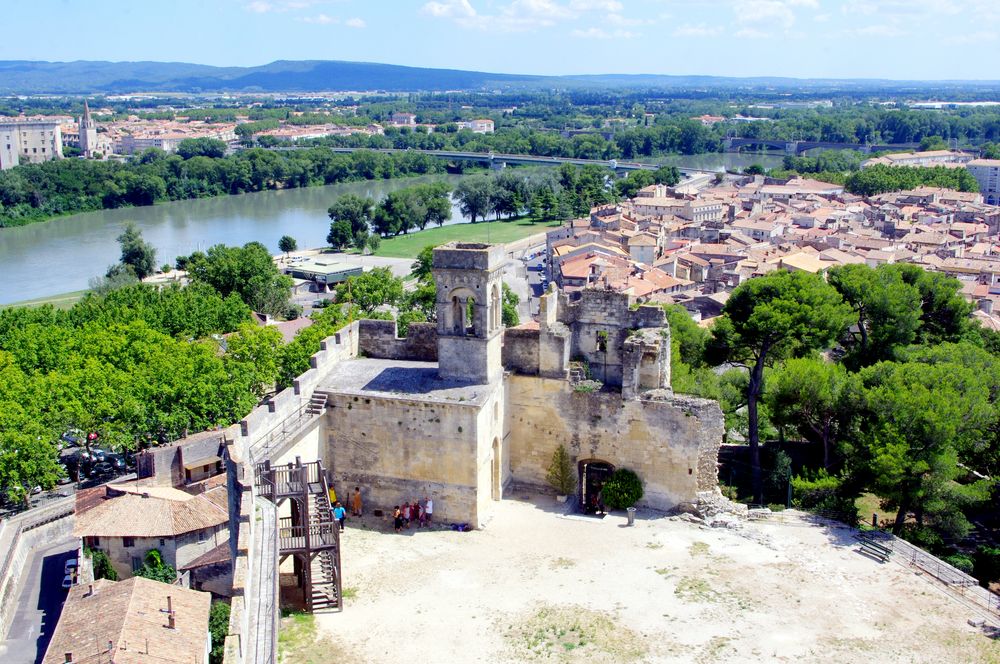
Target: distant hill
{"type": "Point", "coordinates": [99, 77]}
{"type": "Point", "coordinates": [80, 77]}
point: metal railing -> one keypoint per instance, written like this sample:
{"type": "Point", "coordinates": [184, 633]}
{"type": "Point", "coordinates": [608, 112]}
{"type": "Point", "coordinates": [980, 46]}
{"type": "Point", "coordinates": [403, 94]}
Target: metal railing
{"type": "Point", "coordinates": [262, 449]}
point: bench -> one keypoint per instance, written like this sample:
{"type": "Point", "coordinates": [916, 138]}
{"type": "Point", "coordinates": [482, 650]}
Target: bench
{"type": "Point", "coordinates": [874, 549]}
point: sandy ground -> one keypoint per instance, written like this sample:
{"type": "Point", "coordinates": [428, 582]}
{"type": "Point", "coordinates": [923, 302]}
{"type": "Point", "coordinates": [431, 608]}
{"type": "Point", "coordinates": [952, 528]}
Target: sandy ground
{"type": "Point", "coordinates": [538, 585]}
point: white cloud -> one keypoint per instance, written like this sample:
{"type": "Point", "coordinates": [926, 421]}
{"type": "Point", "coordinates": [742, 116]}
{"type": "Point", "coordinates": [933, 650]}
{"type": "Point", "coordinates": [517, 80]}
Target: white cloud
{"type": "Point", "coordinates": [618, 19]}
{"type": "Point", "coordinates": [449, 9]}
{"type": "Point", "coordinates": [319, 19]}
{"type": "Point", "coordinates": [527, 15]}
{"type": "Point", "coordinates": [598, 33]}
{"type": "Point", "coordinates": [972, 38]}
{"type": "Point", "coordinates": [596, 5]}
{"type": "Point", "coordinates": [700, 30]}
{"type": "Point", "coordinates": [259, 7]}
{"type": "Point", "coordinates": [355, 23]}
{"type": "Point", "coordinates": [822, 18]}
{"type": "Point", "coordinates": [765, 11]}
{"type": "Point", "coordinates": [752, 33]}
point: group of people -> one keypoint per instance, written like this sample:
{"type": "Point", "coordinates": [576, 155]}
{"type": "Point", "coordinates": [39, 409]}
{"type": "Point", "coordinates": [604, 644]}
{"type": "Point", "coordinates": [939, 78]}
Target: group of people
{"type": "Point", "coordinates": [403, 516]}
{"type": "Point", "coordinates": [412, 513]}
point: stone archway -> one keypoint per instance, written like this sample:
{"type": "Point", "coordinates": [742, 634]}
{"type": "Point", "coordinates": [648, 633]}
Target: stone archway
{"type": "Point", "coordinates": [593, 474]}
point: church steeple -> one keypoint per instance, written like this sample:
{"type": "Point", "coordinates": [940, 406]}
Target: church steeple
{"type": "Point", "coordinates": [85, 121]}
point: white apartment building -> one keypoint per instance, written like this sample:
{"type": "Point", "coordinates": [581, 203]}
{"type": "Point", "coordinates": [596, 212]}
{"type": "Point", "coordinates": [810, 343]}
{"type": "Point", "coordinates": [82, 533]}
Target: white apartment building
{"type": "Point", "coordinates": [24, 141]}
{"type": "Point", "coordinates": [987, 174]}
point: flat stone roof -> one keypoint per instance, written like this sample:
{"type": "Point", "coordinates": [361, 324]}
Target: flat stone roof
{"type": "Point", "coordinates": [401, 379]}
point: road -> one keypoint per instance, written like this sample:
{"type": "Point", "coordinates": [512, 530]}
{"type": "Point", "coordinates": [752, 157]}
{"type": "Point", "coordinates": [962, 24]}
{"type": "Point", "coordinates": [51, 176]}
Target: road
{"type": "Point", "coordinates": [39, 604]}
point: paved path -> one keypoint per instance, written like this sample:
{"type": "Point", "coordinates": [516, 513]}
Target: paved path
{"type": "Point", "coordinates": [263, 645]}
{"type": "Point", "coordinates": [39, 604]}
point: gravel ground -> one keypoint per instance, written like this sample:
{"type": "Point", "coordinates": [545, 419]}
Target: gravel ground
{"type": "Point", "coordinates": [539, 585]}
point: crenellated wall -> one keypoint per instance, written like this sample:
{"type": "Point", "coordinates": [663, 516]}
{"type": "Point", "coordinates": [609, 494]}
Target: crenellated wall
{"type": "Point", "coordinates": [379, 339]}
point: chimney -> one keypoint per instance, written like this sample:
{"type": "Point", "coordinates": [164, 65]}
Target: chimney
{"type": "Point", "coordinates": [90, 589]}
{"type": "Point", "coordinates": [171, 623]}
{"type": "Point", "coordinates": [69, 658]}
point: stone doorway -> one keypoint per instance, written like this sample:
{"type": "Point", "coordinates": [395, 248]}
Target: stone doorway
{"type": "Point", "coordinates": [593, 474]}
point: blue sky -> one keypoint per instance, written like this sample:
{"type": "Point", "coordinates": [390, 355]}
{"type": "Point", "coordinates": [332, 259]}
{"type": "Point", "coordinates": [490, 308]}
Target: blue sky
{"type": "Point", "coordinates": [913, 39]}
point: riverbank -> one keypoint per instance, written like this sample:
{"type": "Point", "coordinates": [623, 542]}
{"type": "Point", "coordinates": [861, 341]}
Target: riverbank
{"type": "Point", "coordinates": [402, 246]}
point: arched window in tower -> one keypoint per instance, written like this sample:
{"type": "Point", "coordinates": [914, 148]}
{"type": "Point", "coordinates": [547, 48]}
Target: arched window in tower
{"type": "Point", "coordinates": [457, 315]}
{"type": "Point", "coordinates": [495, 315]}
{"type": "Point", "coordinates": [470, 317]}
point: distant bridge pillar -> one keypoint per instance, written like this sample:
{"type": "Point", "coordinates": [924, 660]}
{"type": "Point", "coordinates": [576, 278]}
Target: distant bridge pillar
{"type": "Point", "coordinates": [792, 147]}
{"type": "Point", "coordinates": [727, 144]}
{"type": "Point", "coordinates": [497, 165]}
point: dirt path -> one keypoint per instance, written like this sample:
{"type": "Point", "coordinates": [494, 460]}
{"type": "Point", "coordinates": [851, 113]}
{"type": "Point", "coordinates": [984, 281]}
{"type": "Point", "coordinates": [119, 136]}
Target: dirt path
{"type": "Point", "coordinates": [536, 585]}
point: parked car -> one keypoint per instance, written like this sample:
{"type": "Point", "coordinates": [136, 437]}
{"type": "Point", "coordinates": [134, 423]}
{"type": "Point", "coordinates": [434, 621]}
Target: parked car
{"type": "Point", "coordinates": [67, 581]}
{"type": "Point", "coordinates": [71, 566]}
{"type": "Point", "coordinates": [100, 469]}
{"type": "Point", "coordinates": [117, 461]}
{"type": "Point", "coordinates": [95, 454]}
{"type": "Point", "coordinates": [36, 490]}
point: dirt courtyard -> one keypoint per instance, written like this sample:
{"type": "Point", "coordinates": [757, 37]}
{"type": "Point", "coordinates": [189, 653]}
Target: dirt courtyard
{"type": "Point", "coordinates": [538, 585]}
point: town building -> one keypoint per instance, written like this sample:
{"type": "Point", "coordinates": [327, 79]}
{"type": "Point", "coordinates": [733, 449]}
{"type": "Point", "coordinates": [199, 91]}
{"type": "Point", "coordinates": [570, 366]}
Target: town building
{"type": "Point", "coordinates": [950, 158]}
{"type": "Point", "coordinates": [29, 141]}
{"type": "Point", "coordinates": [92, 143]}
{"type": "Point", "coordinates": [482, 126]}
{"type": "Point", "coordinates": [987, 174]}
{"type": "Point", "coordinates": [181, 525]}
{"type": "Point", "coordinates": [398, 119]}
{"type": "Point", "coordinates": [136, 621]}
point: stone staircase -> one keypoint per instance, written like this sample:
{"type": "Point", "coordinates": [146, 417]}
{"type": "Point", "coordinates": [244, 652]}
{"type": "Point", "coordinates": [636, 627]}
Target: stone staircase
{"type": "Point", "coordinates": [317, 404]}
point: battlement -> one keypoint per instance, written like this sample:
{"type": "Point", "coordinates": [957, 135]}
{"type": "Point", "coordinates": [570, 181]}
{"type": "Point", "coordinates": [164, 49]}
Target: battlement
{"type": "Point", "coordinates": [468, 256]}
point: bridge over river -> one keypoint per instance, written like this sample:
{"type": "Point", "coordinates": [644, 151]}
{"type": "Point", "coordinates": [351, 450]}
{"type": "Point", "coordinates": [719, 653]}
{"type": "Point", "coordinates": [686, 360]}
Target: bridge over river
{"type": "Point", "coordinates": [498, 160]}
{"type": "Point", "coordinates": [798, 147]}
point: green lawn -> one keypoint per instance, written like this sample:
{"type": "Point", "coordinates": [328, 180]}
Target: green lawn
{"type": "Point", "coordinates": [63, 301]}
{"type": "Point", "coordinates": [408, 246]}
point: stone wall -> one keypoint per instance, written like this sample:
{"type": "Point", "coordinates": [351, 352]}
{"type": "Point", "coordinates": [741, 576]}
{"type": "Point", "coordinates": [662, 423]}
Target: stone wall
{"type": "Point", "coordinates": [26, 538]}
{"type": "Point", "coordinates": [520, 350]}
{"type": "Point", "coordinates": [398, 449]}
{"type": "Point", "coordinates": [671, 442]}
{"type": "Point", "coordinates": [378, 339]}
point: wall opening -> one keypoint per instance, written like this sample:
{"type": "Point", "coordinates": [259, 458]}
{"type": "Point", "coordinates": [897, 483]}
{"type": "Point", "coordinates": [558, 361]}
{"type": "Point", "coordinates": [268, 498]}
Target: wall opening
{"type": "Point", "coordinates": [593, 474]}
{"type": "Point", "coordinates": [496, 476]}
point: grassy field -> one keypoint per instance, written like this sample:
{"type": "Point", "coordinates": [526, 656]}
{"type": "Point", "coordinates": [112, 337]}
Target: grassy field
{"type": "Point", "coordinates": [63, 301]}
{"type": "Point", "coordinates": [408, 246]}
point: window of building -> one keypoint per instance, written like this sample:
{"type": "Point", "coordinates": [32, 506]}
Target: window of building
{"type": "Point", "coordinates": [136, 563]}
{"type": "Point", "coordinates": [128, 542]}
{"type": "Point", "coordinates": [163, 542]}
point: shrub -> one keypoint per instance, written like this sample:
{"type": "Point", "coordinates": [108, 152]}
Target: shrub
{"type": "Point", "coordinates": [923, 537]}
{"type": "Point", "coordinates": [218, 627]}
{"type": "Point", "coordinates": [560, 475]}
{"type": "Point", "coordinates": [987, 565]}
{"type": "Point", "coordinates": [961, 562]}
{"type": "Point", "coordinates": [623, 489]}
{"type": "Point", "coordinates": [814, 488]}
{"type": "Point", "coordinates": [103, 569]}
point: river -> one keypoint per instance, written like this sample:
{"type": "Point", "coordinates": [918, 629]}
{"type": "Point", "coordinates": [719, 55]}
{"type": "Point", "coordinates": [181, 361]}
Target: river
{"type": "Point", "coordinates": [63, 255]}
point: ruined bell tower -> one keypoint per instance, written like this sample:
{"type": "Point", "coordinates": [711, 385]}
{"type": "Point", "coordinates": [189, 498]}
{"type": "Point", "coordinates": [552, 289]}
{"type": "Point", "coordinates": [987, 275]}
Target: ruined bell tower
{"type": "Point", "coordinates": [469, 321]}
